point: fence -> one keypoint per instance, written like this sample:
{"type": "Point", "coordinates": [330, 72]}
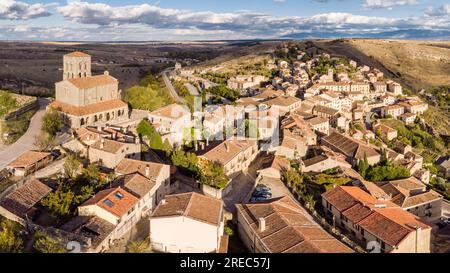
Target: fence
{"type": "Point", "coordinates": [27, 107]}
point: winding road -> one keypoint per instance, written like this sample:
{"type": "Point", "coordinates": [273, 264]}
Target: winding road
{"type": "Point", "coordinates": [26, 142]}
{"type": "Point", "coordinates": [170, 87]}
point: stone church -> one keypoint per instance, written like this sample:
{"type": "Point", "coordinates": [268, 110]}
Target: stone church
{"type": "Point", "coordinates": [84, 99]}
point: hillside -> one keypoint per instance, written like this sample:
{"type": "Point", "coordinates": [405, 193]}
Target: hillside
{"type": "Point", "coordinates": [417, 64]}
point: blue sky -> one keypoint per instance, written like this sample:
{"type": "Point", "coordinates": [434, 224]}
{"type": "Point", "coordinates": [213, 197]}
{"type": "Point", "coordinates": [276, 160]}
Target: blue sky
{"type": "Point", "coordinates": [212, 19]}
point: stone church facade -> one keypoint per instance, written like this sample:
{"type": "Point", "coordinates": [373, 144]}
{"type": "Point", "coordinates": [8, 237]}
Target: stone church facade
{"type": "Point", "coordinates": [86, 100]}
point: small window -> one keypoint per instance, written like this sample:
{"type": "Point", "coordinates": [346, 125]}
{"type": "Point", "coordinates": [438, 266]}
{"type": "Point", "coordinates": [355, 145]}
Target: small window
{"type": "Point", "coordinates": [108, 202]}
{"type": "Point", "coordinates": [118, 195]}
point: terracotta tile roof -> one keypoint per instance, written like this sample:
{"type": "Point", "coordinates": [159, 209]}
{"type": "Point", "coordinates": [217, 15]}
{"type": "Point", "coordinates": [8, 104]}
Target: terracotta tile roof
{"type": "Point", "coordinates": [92, 227]}
{"type": "Point", "coordinates": [288, 229]}
{"type": "Point", "coordinates": [393, 107]}
{"type": "Point", "coordinates": [88, 134]}
{"type": "Point", "coordinates": [110, 146]}
{"type": "Point", "coordinates": [77, 54]}
{"type": "Point", "coordinates": [276, 162]}
{"type": "Point", "coordinates": [25, 197]}
{"type": "Point", "coordinates": [136, 184]}
{"type": "Point", "coordinates": [317, 121]}
{"type": "Point", "coordinates": [220, 154]}
{"type": "Point", "coordinates": [115, 200]}
{"type": "Point", "coordinates": [349, 146]}
{"type": "Point", "coordinates": [90, 109]}
{"type": "Point", "coordinates": [192, 205]}
{"type": "Point", "coordinates": [173, 111]}
{"type": "Point", "coordinates": [283, 101]}
{"type": "Point", "coordinates": [268, 94]}
{"type": "Point", "coordinates": [383, 219]}
{"type": "Point", "coordinates": [384, 128]}
{"type": "Point", "coordinates": [130, 166]}
{"type": "Point", "coordinates": [312, 161]}
{"type": "Point", "coordinates": [28, 158]}
{"type": "Point", "coordinates": [409, 192]}
{"type": "Point", "coordinates": [325, 110]}
{"type": "Point", "coordinates": [93, 81]}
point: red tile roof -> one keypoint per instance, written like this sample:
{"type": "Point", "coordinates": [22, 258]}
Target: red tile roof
{"type": "Point", "coordinates": [90, 109]}
{"type": "Point", "coordinates": [383, 219]}
{"type": "Point", "coordinates": [93, 81]}
{"type": "Point", "coordinates": [28, 158]}
{"type": "Point", "coordinates": [110, 201]}
{"type": "Point", "coordinates": [25, 197]}
{"type": "Point", "coordinates": [193, 205]}
{"type": "Point", "coordinates": [288, 229]}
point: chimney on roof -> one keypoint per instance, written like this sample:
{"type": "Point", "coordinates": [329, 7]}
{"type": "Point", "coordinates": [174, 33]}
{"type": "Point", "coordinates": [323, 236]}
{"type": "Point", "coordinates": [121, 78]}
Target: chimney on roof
{"type": "Point", "coordinates": [102, 143]}
{"type": "Point", "coordinates": [147, 170]}
{"type": "Point", "coordinates": [163, 201]}
{"type": "Point", "coordinates": [99, 128]}
{"type": "Point", "coordinates": [380, 206]}
{"type": "Point", "coordinates": [262, 224]}
{"type": "Point", "coordinates": [106, 73]}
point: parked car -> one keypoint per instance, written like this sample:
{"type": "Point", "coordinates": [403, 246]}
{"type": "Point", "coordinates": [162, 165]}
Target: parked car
{"type": "Point", "coordinates": [266, 195]}
{"type": "Point", "coordinates": [441, 225]}
{"type": "Point", "coordinates": [262, 186]}
{"type": "Point", "coordinates": [257, 199]}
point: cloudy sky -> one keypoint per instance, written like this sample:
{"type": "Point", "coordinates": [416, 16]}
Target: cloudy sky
{"type": "Point", "coordinates": [145, 20]}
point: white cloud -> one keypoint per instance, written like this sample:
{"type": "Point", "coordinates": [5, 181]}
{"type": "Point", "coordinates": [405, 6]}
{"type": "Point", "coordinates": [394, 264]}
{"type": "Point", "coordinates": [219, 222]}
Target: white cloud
{"type": "Point", "coordinates": [387, 4]}
{"type": "Point", "coordinates": [16, 10]}
{"type": "Point", "coordinates": [246, 22]}
{"type": "Point", "coordinates": [100, 21]}
{"type": "Point", "coordinates": [443, 10]}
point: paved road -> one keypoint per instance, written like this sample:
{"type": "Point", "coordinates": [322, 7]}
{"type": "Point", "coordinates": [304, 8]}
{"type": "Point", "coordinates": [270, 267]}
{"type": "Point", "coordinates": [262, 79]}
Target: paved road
{"type": "Point", "coordinates": [242, 186]}
{"type": "Point", "coordinates": [172, 91]}
{"type": "Point", "coordinates": [26, 142]}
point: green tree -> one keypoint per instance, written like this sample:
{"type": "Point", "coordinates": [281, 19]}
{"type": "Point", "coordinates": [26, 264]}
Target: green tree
{"type": "Point", "coordinates": [92, 174]}
{"type": "Point", "coordinates": [187, 162]}
{"type": "Point", "coordinates": [43, 141]}
{"type": "Point", "coordinates": [7, 103]}
{"type": "Point", "coordinates": [140, 246]}
{"type": "Point", "coordinates": [156, 142]}
{"type": "Point", "coordinates": [223, 91]}
{"type": "Point", "coordinates": [46, 244]}
{"type": "Point", "coordinates": [363, 166]}
{"type": "Point", "coordinates": [145, 128]}
{"type": "Point", "coordinates": [72, 166]}
{"type": "Point", "coordinates": [213, 175]}
{"type": "Point", "coordinates": [10, 240]}
{"type": "Point", "coordinates": [228, 231]}
{"type": "Point", "coordinates": [293, 179]}
{"type": "Point", "coordinates": [167, 147]}
{"type": "Point", "coordinates": [59, 202]}
{"type": "Point", "coordinates": [52, 122]}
